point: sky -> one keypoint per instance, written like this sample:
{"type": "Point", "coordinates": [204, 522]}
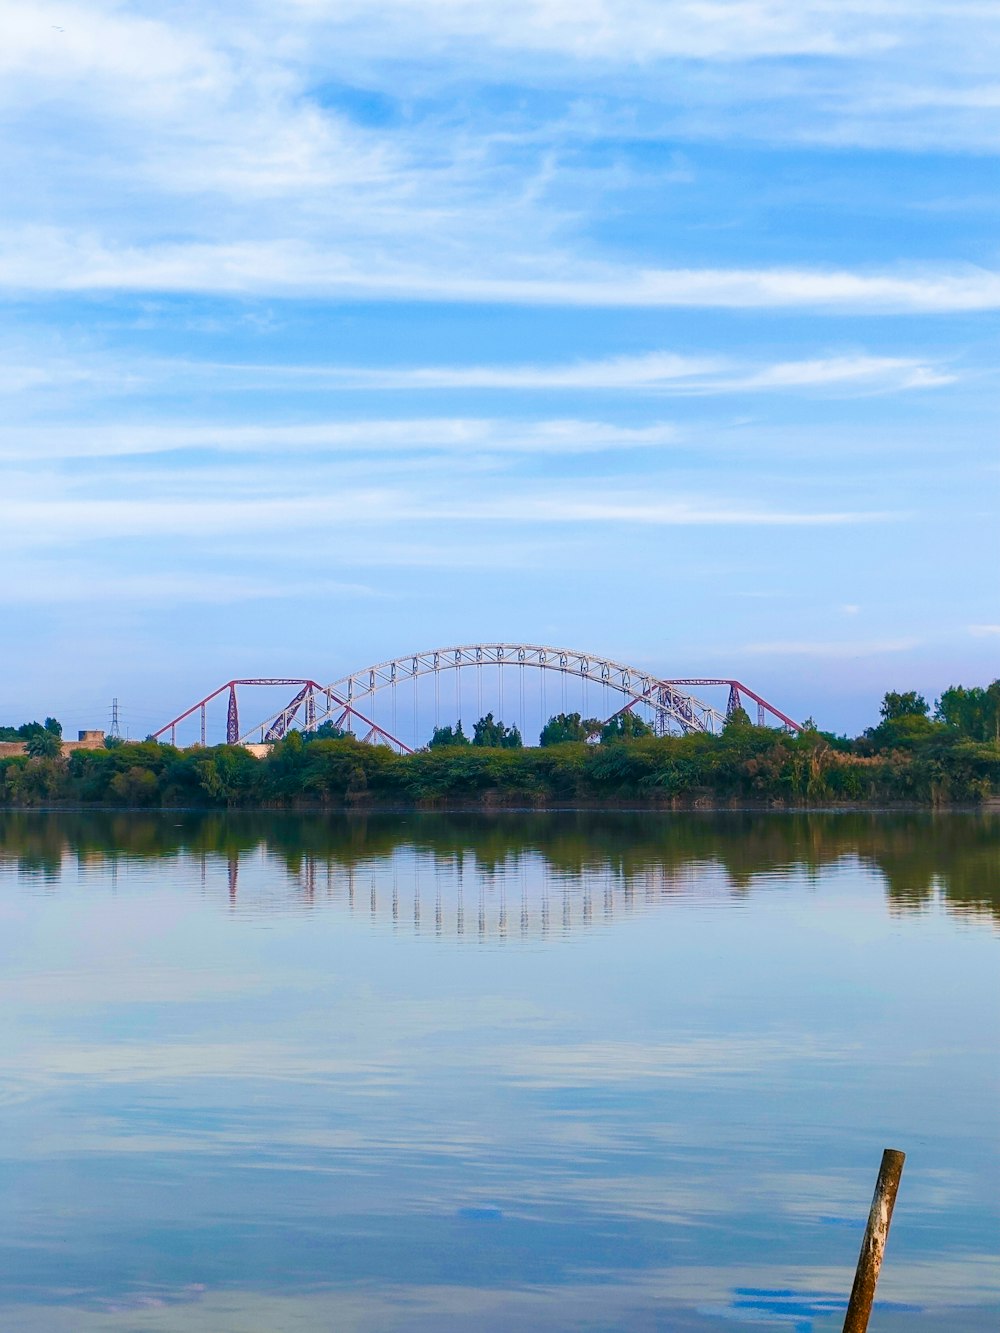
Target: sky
{"type": "Point", "coordinates": [331, 332]}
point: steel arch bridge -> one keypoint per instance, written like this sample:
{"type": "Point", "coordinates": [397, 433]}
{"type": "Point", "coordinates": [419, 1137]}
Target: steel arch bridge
{"type": "Point", "coordinates": [348, 702]}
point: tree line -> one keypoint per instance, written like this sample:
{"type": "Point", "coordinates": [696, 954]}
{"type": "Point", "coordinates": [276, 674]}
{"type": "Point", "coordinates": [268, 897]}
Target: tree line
{"type": "Point", "coordinates": [908, 756]}
{"type": "Point", "coordinates": [488, 733]}
{"type": "Point", "coordinates": [41, 739]}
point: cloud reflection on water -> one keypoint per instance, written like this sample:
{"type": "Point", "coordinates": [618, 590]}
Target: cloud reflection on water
{"type": "Point", "coordinates": [255, 1101]}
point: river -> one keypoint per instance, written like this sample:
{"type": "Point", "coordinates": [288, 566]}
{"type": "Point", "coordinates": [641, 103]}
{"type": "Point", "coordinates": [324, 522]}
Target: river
{"type": "Point", "coordinates": [526, 1071]}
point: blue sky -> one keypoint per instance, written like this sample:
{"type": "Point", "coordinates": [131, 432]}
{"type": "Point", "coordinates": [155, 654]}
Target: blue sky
{"type": "Point", "coordinates": [334, 332]}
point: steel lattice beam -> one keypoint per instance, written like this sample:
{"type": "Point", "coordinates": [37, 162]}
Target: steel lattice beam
{"type": "Point", "coordinates": [670, 698]}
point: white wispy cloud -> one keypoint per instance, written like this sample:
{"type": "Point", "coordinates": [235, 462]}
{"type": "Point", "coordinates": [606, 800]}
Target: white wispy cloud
{"type": "Point", "coordinates": [207, 45]}
{"type": "Point", "coordinates": [656, 373]}
{"type": "Point", "coordinates": [48, 584]}
{"type": "Point", "coordinates": [539, 154]}
{"type": "Point", "coordinates": [872, 371]}
{"type": "Point", "coordinates": [650, 371]}
{"type": "Point", "coordinates": [54, 260]}
{"type": "Point", "coordinates": [32, 522]}
{"type": "Point", "coordinates": [984, 631]}
{"type": "Point", "coordinates": [44, 372]}
{"type": "Point", "coordinates": [217, 116]}
{"type": "Point", "coordinates": [83, 48]}
{"type": "Point", "coordinates": [463, 435]}
{"type": "Point", "coordinates": [653, 371]}
{"type": "Point", "coordinates": [614, 30]}
{"type": "Point", "coordinates": [642, 32]}
{"type": "Point", "coordinates": [631, 509]}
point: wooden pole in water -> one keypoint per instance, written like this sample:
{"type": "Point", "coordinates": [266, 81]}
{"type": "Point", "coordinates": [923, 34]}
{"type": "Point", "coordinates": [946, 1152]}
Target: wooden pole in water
{"type": "Point", "coordinates": [873, 1246]}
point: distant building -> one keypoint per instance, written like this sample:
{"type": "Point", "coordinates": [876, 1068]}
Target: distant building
{"type": "Point", "coordinates": [88, 740]}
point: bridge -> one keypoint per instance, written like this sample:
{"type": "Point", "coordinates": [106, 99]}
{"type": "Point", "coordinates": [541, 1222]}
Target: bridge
{"type": "Point", "coordinates": [517, 682]}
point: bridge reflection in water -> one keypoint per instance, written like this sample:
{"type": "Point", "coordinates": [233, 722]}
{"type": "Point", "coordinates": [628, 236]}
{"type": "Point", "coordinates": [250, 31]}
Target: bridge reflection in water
{"type": "Point", "coordinates": [458, 897]}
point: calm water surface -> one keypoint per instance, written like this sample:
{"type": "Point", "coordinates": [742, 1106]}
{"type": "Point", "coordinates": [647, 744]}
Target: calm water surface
{"type": "Point", "coordinates": [513, 1072]}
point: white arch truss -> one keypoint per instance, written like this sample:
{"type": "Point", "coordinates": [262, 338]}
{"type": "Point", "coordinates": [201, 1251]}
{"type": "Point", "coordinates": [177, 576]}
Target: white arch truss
{"type": "Point", "coordinates": [343, 701]}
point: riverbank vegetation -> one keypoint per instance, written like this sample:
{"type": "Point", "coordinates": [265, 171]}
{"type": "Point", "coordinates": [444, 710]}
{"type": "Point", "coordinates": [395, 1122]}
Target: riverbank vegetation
{"type": "Point", "coordinates": [909, 756]}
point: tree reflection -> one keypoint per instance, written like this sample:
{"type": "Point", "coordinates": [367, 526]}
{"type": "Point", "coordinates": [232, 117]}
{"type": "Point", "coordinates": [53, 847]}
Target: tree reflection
{"type": "Point", "coordinates": [919, 855]}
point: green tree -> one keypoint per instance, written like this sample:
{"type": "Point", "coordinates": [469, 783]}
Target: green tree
{"type": "Point", "coordinates": [326, 731]}
{"type": "Point", "coordinates": [991, 712]}
{"type": "Point", "coordinates": [285, 765]}
{"type": "Point", "coordinates": [44, 744]}
{"type": "Point", "coordinates": [26, 730]}
{"type": "Point", "coordinates": [35, 779]}
{"type": "Point", "coordinates": [911, 704]}
{"type": "Point", "coordinates": [494, 735]}
{"type": "Point", "coordinates": [135, 786]}
{"type": "Point", "coordinates": [227, 772]}
{"type": "Point", "coordinates": [738, 719]}
{"type": "Point", "coordinates": [906, 732]}
{"type": "Point", "coordinates": [974, 712]}
{"type": "Point", "coordinates": [627, 726]}
{"type": "Point", "coordinates": [564, 727]}
{"type": "Point", "coordinates": [904, 723]}
{"type": "Point", "coordinates": [447, 736]}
